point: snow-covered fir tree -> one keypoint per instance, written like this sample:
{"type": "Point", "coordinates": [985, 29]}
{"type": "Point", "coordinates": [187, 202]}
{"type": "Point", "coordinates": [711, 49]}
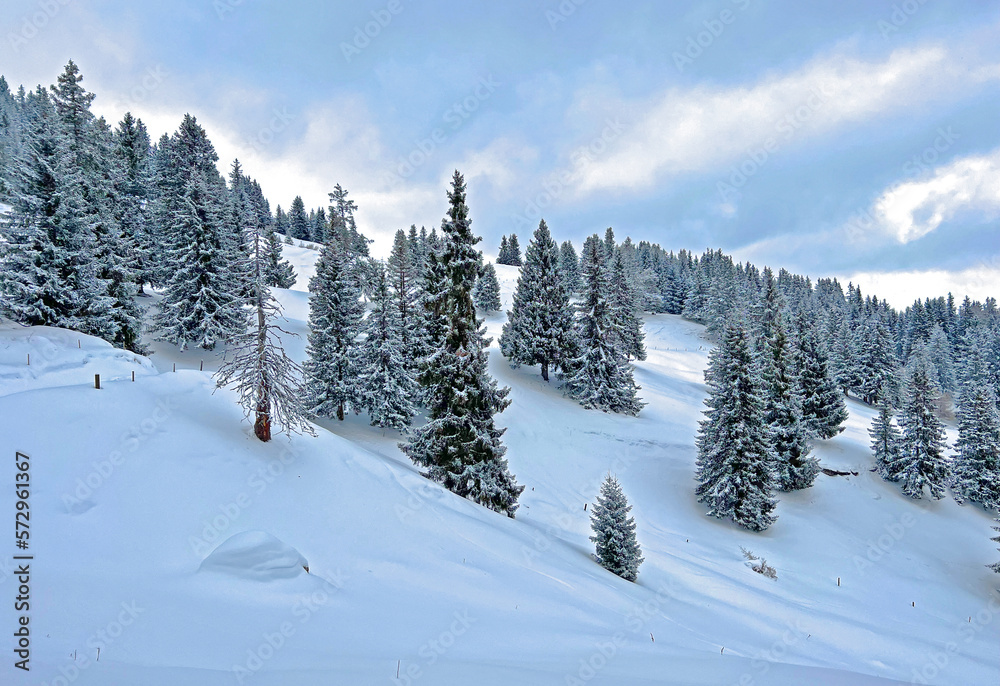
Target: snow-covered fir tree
{"type": "Point", "coordinates": [514, 255]}
{"type": "Point", "coordinates": [267, 381]}
{"type": "Point", "coordinates": [486, 293]}
{"type": "Point", "coordinates": [823, 409]}
{"type": "Point", "coordinates": [569, 267]}
{"type": "Point", "coordinates": [404, 283]}
{"type": "Point", "coordinates": [48, 267]}
{"type": "Point", "coordinates": [601, 376]}
{"type": "Point", "coordinates": [922, 462]}
{"type": "Point", "coordinates": [614, 531]}
{"type": "Point", "coordinates": [795, 467]}
{"type": "Point", "coordinates": [335, 316]}
{"type": "Point", "coordinates": [199, 306]}
{"type": "Point", "coordinates": [388, 388]}
{"type": "Point", "coordinates": [503, 257]}
{"type": "Point", "coordinates": [540, 327]}
{"type": "Point", "coordinates": [298, 220]}
{"type": "Point", "coordinates": [885, 441]}
{"type": "Point", "coordinates": [735, 465]}
{"type": "Point", "coordinates": [976, 467]}
{"type": "Point", "coordinates": [460, 445]}
{"type": "Point", "coordinates": [625, 315]}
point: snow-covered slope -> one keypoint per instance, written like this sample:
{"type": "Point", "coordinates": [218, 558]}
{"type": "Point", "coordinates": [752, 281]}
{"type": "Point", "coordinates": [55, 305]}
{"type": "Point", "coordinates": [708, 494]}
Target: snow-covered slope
{"type": "Point", "coordinates": [167, 536]}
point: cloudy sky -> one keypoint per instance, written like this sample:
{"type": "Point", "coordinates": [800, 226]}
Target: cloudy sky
{"type": "Point", "coordinates": [849, 138]}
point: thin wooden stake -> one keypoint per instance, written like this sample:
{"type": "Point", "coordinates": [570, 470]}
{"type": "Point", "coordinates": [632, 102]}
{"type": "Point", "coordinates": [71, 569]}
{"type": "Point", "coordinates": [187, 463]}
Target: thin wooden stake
{"type": "Point", "coordinates": [133, 376]}
{"type": "Point", "coordinates": [78, 343]}
{"type": "Point", "coordinates": [201, 367]}
{"type": "Point", "coordinates": [838, 581]}
{"type": "Point", "coordinates": [98, 654]}
{"type": "Point", "coordinates": [175, 366]}
{"type": "Point", "coordinates": [97, 381]}
{"type": "Point", "coordinates": [29, 359]}
{"type": "Point", "coordinates": [397, 669]}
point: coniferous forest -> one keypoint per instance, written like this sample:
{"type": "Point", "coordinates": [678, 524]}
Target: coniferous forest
{"type": "Point", "coordinates": [98, 216]}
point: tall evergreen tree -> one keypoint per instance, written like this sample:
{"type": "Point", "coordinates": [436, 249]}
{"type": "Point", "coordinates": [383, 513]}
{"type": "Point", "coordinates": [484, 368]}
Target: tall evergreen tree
{"type": "Point", "coordinates": [795, 467]}
{"type": "Point", "coordinates": [569, 267]}
{"type": "Point", "coordinates": [49, 269]}
{"type": "Point", "coordinates": [736, 472]}
{"type": "Point", "coordinates": [977, 465]}
{"type": "Point", "coordinates": [886, 441]}
{"type": "Point", "coordinates": [388, 389]}
{"type": "Point", "coordinates": [514, 254]}
{"type": "Point", "coordinates": [503, 257]}
{"type": "Point", "coordinates": [461, 445]}
{"type": "Point", "coordinates": [298, 220]}
{"type": "Point", "coordinates": [486, 293]}
{"type": "Point", "coordinates": [614, 532]}
{"type": "Point", "coordinates": [628, 323]}
{"type": "Point", "coordinates": [921, 456]}
{"type": "Point", "coordinates": [540, 327]}
{"type": "Point", "coordinates": [600, 377]}
{"type": "Point", "coordinates": [199, 307]}
{"type": "Point", "coordinates": [335, 315]}
{"type": "Point", "coordinates": [404, 278]}
{"type": "Point", "coordinates": [823, 409]}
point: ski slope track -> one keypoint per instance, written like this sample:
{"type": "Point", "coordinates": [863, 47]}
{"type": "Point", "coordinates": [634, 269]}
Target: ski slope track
{"type": "Point", "coordinates": [184, 551]}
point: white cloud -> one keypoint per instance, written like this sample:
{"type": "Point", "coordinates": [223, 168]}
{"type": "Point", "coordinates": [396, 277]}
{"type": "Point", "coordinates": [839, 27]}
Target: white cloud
{"type": "Point", "coordinates": [901, 288]}
{"type": "Point", "coordinates": [913, 209]}
{"type": "Point", "coordinates": [704, 128]}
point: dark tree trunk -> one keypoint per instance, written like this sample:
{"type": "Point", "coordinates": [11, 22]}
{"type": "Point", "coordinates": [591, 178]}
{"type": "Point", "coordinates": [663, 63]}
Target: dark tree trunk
{"type": "Point", "coordinates": [545, 370]}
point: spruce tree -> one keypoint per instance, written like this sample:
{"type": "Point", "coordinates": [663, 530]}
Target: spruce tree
{"type": "Point", "coordinates": [335, 315]}
{"type": "Point", "coordinates": [600, 377]}
{"type": "Point", "coordinates": [540, 327]}
{"type": "Point", "coordinates": [49, 268]}
{"type": "Point", "coordinates": [569, 267]}
{"type": "Point", "coordinates": [388, 389]}
{"type": "Point", "coordinates": [487, 291]}
{"type": "Point", "coordinates": [614, 532]}
{"type": "Point", "coordinates": [514, 254]}
{"type": "Point", "coordinates": [628, 322]}
{"type": "Point", "coordinates": [885, 442]}
{"type": "Point", "coordinates": [735, 465]}
{"type": "Point", "coordinates": [796, 469]}
{"type": "Point", "coordinates": [298, 220]}
{"type": "Point", "coordinates": [199, 306]}
{"type": "Point", "coordinates": [921, 457]}
{"type": "Point", "coordinates": [503, 257]}
{"type": "Point", "coordinates": [460, 445]}
{"type": "Point", "coordinates": [977, 465]}
{"type": "Point", "coordinates": [823, 409]}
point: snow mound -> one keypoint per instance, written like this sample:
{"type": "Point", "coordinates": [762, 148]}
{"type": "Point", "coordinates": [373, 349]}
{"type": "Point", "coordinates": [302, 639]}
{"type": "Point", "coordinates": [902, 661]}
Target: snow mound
{"type": "Point", "coordinates": [256, 555]}
{"type": "Point", "coordinates": [36, 357]}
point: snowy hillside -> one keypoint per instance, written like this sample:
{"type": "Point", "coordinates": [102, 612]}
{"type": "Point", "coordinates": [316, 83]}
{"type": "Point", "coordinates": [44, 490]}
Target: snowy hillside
{"type": "Point", "coordinates": [166, 536]}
